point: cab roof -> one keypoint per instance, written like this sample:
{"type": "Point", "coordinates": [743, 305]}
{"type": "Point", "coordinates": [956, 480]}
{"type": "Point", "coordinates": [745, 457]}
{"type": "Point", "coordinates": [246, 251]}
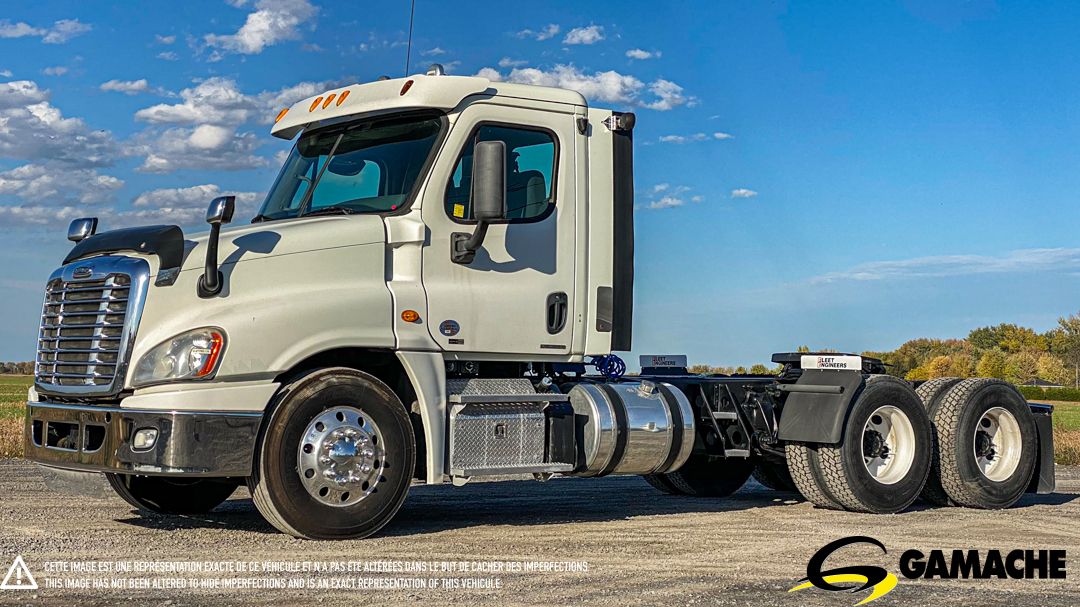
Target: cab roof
{"type": "Point", "coordinates": [436, 92]}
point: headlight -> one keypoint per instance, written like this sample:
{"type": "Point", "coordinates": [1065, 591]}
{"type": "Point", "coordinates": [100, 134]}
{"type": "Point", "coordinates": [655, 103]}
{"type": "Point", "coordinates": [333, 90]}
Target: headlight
{"type": "Point", "coordinates": [191, 355]}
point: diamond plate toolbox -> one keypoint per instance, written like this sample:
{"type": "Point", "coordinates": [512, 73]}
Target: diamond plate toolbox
{"type": "Point", "coordinates": [491, 437]}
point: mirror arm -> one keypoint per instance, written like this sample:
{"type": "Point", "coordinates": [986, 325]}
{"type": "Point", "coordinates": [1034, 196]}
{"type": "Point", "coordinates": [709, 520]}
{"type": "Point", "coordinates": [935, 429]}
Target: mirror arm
{"type": "Point", "coordinates": [463, 246]}
{"type": "Point", "coordinates": [210, 282]}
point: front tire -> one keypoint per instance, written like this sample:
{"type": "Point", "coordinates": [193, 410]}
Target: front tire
{"type": "Point", "coordinates": [168, 495]}
{"type": "Point", "coordinates": [988, 443]}
{"type": "Point", "coordinates": [881, 464]}
{"type": "Point", "coordinates": [336, 457]}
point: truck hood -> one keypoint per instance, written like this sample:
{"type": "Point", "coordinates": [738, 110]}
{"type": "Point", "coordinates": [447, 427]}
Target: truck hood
{"type": "Point", "coordinates": [284, 237]}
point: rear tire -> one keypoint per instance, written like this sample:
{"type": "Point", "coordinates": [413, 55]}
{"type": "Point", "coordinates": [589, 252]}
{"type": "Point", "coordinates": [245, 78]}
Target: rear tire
{"type": "Point", "coordinates": [931, 393]}
{"type": "Point", "coordinates": [172, 495]}
{"type": "Point", "coordinates": [806, 473]}
{"type": "Point", "coordinates": [774, 476]}
{"type": "Point", "coordinates": [881, 464]}
{"type": "Point", "coordinates": [701, 478]}
{"type": "Point", "coordinates": [336, 457]}
{"type": "Point", "coordinates": [988, 443]}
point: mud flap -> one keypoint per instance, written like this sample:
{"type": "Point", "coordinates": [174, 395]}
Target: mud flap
{"type": "Point", "coordinates": [817, 417]}
{"type": "Point", "coordinates": [1043, 480]}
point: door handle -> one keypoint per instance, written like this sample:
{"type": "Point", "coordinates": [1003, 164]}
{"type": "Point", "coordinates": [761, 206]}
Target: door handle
{"type": "Point", "coordinates": [556, 312]}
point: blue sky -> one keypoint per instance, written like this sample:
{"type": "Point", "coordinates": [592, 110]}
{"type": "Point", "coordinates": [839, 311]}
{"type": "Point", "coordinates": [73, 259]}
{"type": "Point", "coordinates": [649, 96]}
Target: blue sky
{"type": "Point", "coordinates": [842, 175]}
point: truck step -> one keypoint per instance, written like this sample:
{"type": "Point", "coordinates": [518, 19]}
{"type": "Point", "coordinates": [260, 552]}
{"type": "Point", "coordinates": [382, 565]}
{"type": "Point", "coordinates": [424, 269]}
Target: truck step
{"type": "Point", "coordinates": [736, 453]}
{"type": "Point", "coordinates": [725, 415]}
{"type": "Point", "coordinates": [493, 399]}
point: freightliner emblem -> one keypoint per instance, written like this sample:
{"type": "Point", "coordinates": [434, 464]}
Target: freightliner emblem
{"type": "Point", "coordinates": [83, 272]}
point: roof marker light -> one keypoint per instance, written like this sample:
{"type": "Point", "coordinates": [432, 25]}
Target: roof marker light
{"type": "Point", "coordinates": [341, 98]}
{"type": "Point", "coordinates": [406, 87]}
{"type": "Point", "coordinates": [281, 115]}
{"type": "Point", "coordinates": [315, 104]}
{"type": "Point", "coordinates": [326, 104]}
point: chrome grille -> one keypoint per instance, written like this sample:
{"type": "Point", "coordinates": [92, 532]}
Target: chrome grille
{"type": "Point", "coordinates": [86, 325]}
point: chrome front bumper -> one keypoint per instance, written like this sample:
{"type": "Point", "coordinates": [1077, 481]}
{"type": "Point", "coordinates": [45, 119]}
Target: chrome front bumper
{"type": "Point", "coordinates": [99, 439]}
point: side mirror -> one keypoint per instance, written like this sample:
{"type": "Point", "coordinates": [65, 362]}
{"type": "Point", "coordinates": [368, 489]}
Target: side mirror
{"type": "Point", "coordinates": [82, 228]}
{"type": "Point", "coordinates": [488, 198]}
{"type": "Point", "coordinates": [218, 213]}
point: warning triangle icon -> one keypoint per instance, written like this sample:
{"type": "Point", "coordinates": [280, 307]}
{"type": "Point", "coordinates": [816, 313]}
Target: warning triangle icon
{"type": "Point", "coordinates": [18, 577]}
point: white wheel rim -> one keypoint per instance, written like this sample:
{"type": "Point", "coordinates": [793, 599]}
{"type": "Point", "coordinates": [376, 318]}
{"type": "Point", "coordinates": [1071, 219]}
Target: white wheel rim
{"type": "Point", "coordinates": [888, 445]}
{"type": "Point", "coordinates": [341, 456]}
{"type": "Point", "coordinates": [997, 444]}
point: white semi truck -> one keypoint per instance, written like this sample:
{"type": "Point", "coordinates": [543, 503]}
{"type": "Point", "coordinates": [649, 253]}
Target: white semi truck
{"type": "Point", "coordinates": [417, 300]}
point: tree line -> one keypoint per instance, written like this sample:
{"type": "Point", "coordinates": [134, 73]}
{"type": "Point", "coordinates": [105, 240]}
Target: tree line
{"type": "Point", "coordinates": [17, 368]}
{"type": "Point", "coordinates": [1006, 351]}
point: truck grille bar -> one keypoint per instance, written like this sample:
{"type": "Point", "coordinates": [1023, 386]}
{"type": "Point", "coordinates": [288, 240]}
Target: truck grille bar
{"type": "Point", "coordinates": [87, 326]}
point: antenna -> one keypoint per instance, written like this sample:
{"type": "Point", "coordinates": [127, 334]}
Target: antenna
{"type": "Point", "coordinates": [408, 53]}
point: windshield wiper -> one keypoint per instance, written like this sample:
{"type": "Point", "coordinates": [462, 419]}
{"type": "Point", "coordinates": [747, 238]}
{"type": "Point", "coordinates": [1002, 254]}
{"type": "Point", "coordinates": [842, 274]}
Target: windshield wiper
{"type": "Point", "coordinates": [259, 218]}
{"type": "Point", "coordinates": [330, 210]}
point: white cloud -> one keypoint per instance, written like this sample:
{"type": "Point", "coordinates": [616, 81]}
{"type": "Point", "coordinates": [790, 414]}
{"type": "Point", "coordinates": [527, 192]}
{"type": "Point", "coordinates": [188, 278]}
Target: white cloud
{"type": "Point", "coordinates": [670, 95]}
{"type": "Point", "coordinates": [549, 31]}
{"type": "Point", "coordinates": [682, 139]}
{"type": "Point", "coordinates": [743, 193]}
{"type": "Point", "coordinates": [128, 87]}
{"type": "Point", "coordinates": [1013, 262]}
{"type": "Point", "coordinates": [640, 54]}
{"type": "Point", "coordinates": [723, 136]}
{"type": "Point", "coordinates": [6, 73]}
{"type": "Point", "coordinates": [37, 183]}
{"type": "Point", "coordinates": [65, 30]}
{"type": "Point", "coordinates": [168, 56]}
{"type": "Point", "coordinates": [697, 198]}
{"type": "Point", "coordinates": [451, 66]}
{"type": "Point", "coordinates": [585, 35]}
{"type": "Point", "coordinates": [272, 22]}
{"type": "Point", "coordinates": [610, 86]}
{"type": "Point", "coordinates": [660, 187]}
{"type": "Point", "coordinates": [18, 30]}
{"type": "Point", "coordinates": [433, 52]}
{"type": "Point", "coordinates": [311, 48]}
{"type": "Point", "coordinates": [665, 203]}
{"type": "Point", "coordinates": [32, 129]}
{"type": "Point", "coordinates": [38, 215]}
{"type": "Point", "coordinates": [164, 39]}
{"type": "Point", "coordinates": [508, 62]}
{"type": "Point", "coordinates": [206, 147]}
{"type": "Point", "coordinates": [55, 71]}
{"type": "Point", "coordinates": [59, 33]}
{"type": "Point", "coordinates": [184, 206]}
{"type": "Point", "coordinates": [212, 101]}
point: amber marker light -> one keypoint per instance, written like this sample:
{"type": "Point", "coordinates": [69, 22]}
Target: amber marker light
{"type": "Point", "coordinates": [344, 94]}
{"type": "Point", "coordinates": [405, 88]}
{"type": "Point", "coordinates": [315, 104]}
{"type": "Point", "coordinates": [326, 103]}
{"type": "Point", "coordinates": [281, 115]}
{"type": "Point", "coordinates": [410, 316]}
{"type": "Point", "coordinates": [213, 352]}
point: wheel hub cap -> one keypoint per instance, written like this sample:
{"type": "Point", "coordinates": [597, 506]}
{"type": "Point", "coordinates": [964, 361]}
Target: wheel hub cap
{"type": "Point", "coordinates": [997, 444]}
{"type": "Point", "coordinates": [341, 457]}
{"type": "Point", "coordinates": [888, 445]}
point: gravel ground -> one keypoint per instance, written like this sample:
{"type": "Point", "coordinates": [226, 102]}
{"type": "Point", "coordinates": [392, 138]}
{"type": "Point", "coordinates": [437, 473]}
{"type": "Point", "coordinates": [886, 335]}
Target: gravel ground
{"type": "Point", "coordinates": [642, 547]}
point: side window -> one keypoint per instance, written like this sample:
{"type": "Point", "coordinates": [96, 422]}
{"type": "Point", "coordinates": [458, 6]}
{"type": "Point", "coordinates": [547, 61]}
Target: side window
{"type": "Point", "coordinates": [530, 174]}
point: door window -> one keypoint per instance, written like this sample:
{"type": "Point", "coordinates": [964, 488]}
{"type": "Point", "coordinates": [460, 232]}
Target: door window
{"type": "Point", "coordinates": [530, 174]}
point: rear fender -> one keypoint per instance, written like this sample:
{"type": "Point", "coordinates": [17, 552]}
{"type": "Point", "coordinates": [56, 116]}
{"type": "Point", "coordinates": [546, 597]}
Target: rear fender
{"type": "Point", "coordinates": [816, 417]}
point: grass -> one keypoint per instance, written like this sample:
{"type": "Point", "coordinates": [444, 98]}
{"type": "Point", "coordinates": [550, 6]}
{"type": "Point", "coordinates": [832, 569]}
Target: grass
{"type": "Point", "coordinates": [13, 395]}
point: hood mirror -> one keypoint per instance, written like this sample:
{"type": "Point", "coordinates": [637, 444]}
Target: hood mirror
{"type": "Point", "coordinates": [81, 229]}
{"type": "Point", "coordinates": [218, 213]}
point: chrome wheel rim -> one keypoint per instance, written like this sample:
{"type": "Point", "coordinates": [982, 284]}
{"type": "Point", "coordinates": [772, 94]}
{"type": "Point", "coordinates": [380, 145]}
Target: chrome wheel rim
{"type": "Point", "coordinates": [341, 456]}
{"type": "Point", "coordinates": [888, 445]}
{"type": "Point", "coordinates": [997, 445]}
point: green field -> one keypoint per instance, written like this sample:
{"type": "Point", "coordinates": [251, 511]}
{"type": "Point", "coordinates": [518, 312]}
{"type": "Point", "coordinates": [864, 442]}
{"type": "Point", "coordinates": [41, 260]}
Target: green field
{"type": "Point", "coordinates": [13, 394]}
{"type": "Point", "coordinates": [1066, 415]}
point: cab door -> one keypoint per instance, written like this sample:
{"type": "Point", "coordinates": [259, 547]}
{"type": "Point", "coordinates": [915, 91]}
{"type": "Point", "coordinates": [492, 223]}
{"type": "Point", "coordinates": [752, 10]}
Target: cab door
{"type": "Point", "coordinates": [517, 295]}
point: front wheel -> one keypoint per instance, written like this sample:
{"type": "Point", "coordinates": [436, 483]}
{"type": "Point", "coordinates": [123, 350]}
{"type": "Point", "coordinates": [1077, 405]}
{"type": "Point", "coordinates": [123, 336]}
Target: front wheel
{"type": "Point", "coordinates": [167, 495]}
{"type": "Point", "coordinates": [336, 457]}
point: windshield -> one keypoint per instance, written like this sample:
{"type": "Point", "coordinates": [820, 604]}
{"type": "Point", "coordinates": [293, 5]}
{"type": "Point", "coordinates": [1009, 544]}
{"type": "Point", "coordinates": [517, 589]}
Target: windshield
{"type": "Point", "coordinates": [364, 167]}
